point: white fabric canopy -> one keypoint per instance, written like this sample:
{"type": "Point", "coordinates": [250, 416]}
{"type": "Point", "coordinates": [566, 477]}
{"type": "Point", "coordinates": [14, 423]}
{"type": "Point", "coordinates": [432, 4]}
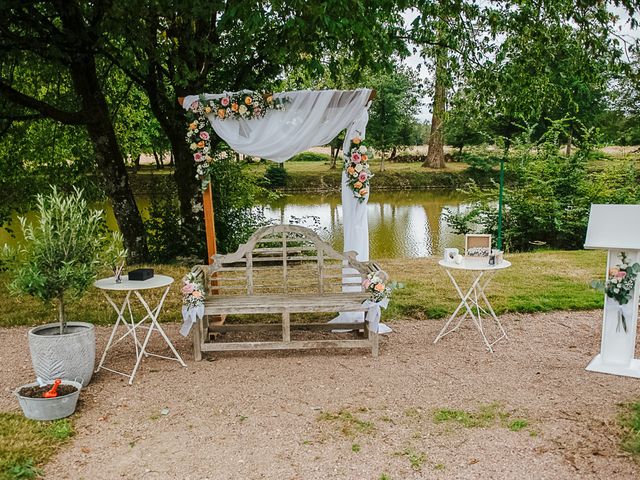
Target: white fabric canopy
{"type": "Point", "coordinates": [309, 119]}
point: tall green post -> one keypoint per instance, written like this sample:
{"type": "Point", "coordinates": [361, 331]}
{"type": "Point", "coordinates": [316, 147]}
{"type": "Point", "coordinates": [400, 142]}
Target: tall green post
{"type": "Point", "coordinates": [499, 241]}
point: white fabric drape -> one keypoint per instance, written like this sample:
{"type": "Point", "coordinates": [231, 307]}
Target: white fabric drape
{"type": "Point", "coordinates": [309, 119]}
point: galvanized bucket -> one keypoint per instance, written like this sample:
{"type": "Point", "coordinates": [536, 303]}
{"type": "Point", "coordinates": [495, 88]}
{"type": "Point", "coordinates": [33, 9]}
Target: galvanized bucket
{"type": "Point", "coordinates": [49, 408]}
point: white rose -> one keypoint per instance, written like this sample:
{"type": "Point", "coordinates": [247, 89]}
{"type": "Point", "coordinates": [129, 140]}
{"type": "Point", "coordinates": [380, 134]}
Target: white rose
{"type": "Point", "coordinates": [362, 149]}
{"type": "Point", "coordinates": [193, 146]}
{"type": "Point", "coordinates": [358, 168]}
{"type": "Point", "coordinates": [242, 109]}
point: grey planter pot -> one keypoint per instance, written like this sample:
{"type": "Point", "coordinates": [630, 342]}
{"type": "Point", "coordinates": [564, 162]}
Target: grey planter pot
{"type": "Point", "coordinates": [71, 356]}
{"type": "Point", "coordinates": [49, 408]}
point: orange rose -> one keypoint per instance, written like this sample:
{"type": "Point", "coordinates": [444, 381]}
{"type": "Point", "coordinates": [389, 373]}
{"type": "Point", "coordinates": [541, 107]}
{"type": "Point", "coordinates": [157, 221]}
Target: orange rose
{"type": "Point", "coordinates": [363, 191]}
{"type": "Point", "coordinates": [207, 110]}
{"type": "Point", "coordinates": [364, 158]}
{"type": "Point", "coordinates": [269, 99]}
{"type": "Point", "coordinates": [193, 126]}
{"type": "Point", "coordinates": [221, 112]}
{"type": "Point", "coordinates": [351, 170]}
{"type": "Point", "coordinates": [357, 185]}
{"type": "Point", "coordinates": [356, 140]}
{"type": "Point", "coordinates": [234, 107]}
{"type": "Point", "coordinates": [378, 288]}
{"type": "Point", "coordinates": [200, 144]}
{"type": "Point", "coordinates": [197, 294]}
{"type": "Point", "coordinates": [247, 101]}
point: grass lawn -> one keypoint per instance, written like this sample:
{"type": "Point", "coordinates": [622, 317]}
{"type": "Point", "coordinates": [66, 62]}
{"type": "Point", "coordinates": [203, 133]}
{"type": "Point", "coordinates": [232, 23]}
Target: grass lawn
{"type": "Point", "coordinates": [537, 282]}
{"type": "Point", "coordinates": [25, 445]}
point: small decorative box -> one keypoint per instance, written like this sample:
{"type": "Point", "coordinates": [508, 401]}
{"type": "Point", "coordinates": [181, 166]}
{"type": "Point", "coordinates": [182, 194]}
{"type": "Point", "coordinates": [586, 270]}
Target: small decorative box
{"type": "Point", "coordinates": [141, 274]}
{"type": "Point", "coordinates": [477, 245]}
{"type": "Point", "coordinates": [496, 257]}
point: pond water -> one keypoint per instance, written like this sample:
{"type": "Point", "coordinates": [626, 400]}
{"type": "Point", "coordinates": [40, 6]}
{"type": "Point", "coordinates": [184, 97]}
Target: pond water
{"type": "Point", "coordinates": [401, 224]}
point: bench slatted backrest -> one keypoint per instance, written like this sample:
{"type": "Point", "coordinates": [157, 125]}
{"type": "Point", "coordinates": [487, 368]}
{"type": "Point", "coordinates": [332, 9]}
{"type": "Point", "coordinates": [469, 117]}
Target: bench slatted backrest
{"type": "Point", "coordinates": [286, 260]}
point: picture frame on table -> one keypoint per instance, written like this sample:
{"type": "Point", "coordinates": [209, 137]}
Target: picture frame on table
{"type": "Point", "coordinates": [477, 245]}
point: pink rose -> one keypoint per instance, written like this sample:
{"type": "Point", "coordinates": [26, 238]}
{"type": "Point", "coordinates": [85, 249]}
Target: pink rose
{"type": "Point", "coordinates": [621, 274]}
{"type": "Point", "coordinates": [363, 176]}
{"type": "Point", "coordinates": [188, 288]}
{"type": "Point", "coordinates": [224, 101]}
{"type": "Point", "coordinates": [355, 157]}
{"type": "Point", "coordinates": [195, 106]}
{"type": "Point", "coordinates": [204, 135]}
{"type": "Point", "coordinates": [366, 284]}
{"type": "Point", "coordinates": [198, 157]}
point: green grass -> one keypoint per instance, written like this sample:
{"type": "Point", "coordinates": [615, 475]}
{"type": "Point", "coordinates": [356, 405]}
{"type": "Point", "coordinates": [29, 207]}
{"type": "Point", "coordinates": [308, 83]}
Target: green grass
{"type": "Point", "coordinates": [25, 445]}
{"type": "Point", "coordinates": [629, 421]}
{"type": "Point", "coordinates": [348, 423]}
{"type": "Point", "coordinates": [416, 459]}
{"type": "Point", "coordinates": [485, 416]}
{"type": "Point", "coordinates": [537, 282]}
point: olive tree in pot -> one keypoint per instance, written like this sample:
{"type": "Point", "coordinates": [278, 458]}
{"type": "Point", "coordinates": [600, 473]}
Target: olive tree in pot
{"type": "Point", "coordinates": [59, 260]}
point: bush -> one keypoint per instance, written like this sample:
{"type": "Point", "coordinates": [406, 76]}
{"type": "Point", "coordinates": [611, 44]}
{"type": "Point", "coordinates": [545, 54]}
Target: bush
{"type": "Point", "coordinates": [549, 199]}
{"type": "Point", "coordinates": [311, 157]}
{"type": "Point", "coordinates": [275, 176]}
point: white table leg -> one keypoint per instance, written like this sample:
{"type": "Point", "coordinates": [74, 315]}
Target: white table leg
{"type": "Point", "coordinates": [120, 312]}
{"type": "Point", "coordinates": [153, 315]}
{"type": "Point", "coordinates": [464, 303]}
{"type": "Point", "coordinates": [472, 300]}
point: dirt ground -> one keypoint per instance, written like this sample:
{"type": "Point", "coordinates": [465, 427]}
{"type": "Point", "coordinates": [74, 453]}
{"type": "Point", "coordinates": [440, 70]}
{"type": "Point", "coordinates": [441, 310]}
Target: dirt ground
{"type": "Point", "coordinates": [344, 415]}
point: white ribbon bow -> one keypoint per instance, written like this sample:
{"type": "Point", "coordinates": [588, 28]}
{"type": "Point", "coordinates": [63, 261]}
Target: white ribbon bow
{"type": "Point", "coordinates": [374, 313]}
{"type": "Point", "coordinates": [190, 315]}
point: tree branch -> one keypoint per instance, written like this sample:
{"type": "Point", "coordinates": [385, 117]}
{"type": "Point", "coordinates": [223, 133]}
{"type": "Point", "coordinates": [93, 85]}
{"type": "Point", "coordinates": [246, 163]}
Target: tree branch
{"type": "Point", "coordinates": [64, 116]}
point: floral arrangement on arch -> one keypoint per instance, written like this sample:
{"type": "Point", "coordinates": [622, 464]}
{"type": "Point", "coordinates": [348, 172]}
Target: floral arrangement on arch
{"type": "Point", "coordinates": [356, 166]}
{"type": "Point", "coordinates": [620, 284]}
{"type": "Point", "coordinates": [245, 104]}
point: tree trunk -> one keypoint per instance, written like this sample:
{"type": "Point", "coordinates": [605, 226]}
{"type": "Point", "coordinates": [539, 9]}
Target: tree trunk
{"type": "Point", "coordinates": [136, 163]}
{"type": "Point", "coordinates": [158, 159]}
{"type": "Point", "coordinates": [109, 158]}
{"type": "Point", "coordinates": [435, 154]}
{"type": "Point", "coordinates": [569, 143]}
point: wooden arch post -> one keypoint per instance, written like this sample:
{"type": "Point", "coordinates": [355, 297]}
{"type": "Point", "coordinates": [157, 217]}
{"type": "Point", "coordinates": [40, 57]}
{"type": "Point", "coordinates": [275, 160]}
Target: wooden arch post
{"type": "Point", "coordinates": [209, 219]}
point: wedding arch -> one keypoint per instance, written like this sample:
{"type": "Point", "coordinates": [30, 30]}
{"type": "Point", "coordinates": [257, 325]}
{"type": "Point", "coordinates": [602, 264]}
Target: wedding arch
{"type": "Point", "coordinates": [278, 126]}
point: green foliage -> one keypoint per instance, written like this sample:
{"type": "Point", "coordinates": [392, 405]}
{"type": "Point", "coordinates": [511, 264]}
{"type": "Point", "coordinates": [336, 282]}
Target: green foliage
{"type": "Point", "coordinates": [310, 157]}
{"type": "Point", "coordinates": [62, 253]}
{"type": "Point", "coordinates": [235, 198]}
{"type": "Point", "coordinates": [276, 176]}
{"type": "Point", "coordinates": [26, 444]}
{"type": "Point", "coordinates": [167, 235]}
{"type": "Point", "coordinates": [517, 424]}
{"type": "Point", "coordinates": [629, 420]}
{"type": "Point", "coordinates": [548, 199]}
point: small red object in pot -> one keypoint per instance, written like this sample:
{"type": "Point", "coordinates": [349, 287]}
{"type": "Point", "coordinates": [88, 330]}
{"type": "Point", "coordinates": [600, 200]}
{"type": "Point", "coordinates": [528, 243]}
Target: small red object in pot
{"type": "Point", "coordinates": [52, 393]}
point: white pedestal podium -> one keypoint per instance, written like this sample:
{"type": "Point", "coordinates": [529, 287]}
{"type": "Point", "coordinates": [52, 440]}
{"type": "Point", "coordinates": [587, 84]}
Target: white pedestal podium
{"type": "Point", "coordinates": [617, 229]}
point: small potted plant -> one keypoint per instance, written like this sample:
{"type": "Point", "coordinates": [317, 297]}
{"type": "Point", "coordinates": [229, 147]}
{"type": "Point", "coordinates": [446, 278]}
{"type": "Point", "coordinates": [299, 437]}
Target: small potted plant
{"type": "Point", "coordinates": [59, 259]}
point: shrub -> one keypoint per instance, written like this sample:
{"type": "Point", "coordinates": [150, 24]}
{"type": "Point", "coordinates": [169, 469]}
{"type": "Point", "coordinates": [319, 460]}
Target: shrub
{"type": "Point", "coordinates": [62, 252]}
{"type": "Point", "coordinates": [276, 176]}
{"type": "Point", "coordinates": [311, 157]}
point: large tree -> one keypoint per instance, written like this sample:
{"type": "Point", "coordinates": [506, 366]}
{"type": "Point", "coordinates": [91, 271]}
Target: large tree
{"type": "Point", "coordinates": [174, 48]}
{"type": "Point", "coordinates": [53, 46]}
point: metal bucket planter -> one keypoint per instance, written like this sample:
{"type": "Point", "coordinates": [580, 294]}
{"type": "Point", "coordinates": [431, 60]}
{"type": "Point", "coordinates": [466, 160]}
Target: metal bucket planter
{"type": "Point", "coordinates": [49, 408]}
{"type": "Point", "coordinates": [72, 355]}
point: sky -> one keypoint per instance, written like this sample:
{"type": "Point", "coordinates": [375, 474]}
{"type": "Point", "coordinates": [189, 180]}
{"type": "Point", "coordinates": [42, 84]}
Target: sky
{"type": "Point", "coordinates": [414, 61]}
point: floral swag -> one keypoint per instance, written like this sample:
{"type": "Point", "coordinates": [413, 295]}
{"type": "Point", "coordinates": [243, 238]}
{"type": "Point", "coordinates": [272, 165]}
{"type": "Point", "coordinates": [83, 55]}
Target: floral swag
{"type": "Point", "coordinates": [244, 105]}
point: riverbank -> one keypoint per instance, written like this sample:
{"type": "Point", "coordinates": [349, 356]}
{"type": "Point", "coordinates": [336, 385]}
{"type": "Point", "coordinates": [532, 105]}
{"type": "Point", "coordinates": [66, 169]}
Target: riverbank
{"type": "Point", "coordinates": [537, 282]}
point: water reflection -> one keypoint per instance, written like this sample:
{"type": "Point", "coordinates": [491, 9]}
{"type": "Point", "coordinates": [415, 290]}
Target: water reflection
{"type": "Point", "coordinates": [401, 224]}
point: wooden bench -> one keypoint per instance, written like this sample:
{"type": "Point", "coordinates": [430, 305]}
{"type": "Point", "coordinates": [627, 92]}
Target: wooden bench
{"type": "Point", "coordinates": [284, 270]}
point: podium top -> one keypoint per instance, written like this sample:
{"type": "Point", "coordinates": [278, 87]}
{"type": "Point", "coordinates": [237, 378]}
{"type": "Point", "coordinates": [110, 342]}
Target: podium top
{"type": "Point", "coordinates": [614, 226]}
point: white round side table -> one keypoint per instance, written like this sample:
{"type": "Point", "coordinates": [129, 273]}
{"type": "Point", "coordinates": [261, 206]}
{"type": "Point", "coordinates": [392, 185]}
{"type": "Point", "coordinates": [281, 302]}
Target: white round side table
{"type": "Point", "coordinates": [474, 296]}
{"type": "Point", "coordinates": [108, 285]}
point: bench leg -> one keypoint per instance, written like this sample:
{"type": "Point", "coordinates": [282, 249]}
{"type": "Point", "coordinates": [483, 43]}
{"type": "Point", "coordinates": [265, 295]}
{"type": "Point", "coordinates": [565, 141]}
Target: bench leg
{"type": "Point", "coordinates": [286, 327]}
{"type": "Point", "coordinates": [197, 339]}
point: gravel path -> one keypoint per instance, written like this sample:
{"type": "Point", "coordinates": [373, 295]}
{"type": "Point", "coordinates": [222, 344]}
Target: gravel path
{"type": "Point", "coordinates": [344, 415]}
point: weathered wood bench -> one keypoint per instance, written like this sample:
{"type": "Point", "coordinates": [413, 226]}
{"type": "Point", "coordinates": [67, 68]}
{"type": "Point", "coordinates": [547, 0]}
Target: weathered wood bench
{"type": "Point", "coordinates": [284, 270]}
